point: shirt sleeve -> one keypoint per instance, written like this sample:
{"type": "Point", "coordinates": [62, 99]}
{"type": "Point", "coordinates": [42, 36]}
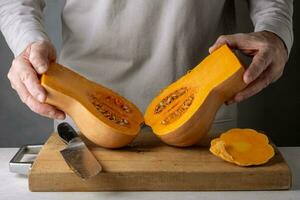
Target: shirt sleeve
{"type": "Point", "coordinates": [21, 22]}
{"type": "Point", "coordinates": [275, 16]}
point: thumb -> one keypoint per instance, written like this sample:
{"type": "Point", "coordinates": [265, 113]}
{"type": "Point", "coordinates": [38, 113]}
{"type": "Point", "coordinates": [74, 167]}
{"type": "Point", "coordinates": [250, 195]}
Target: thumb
{"type": "Point", "coordinates": [40, 54]}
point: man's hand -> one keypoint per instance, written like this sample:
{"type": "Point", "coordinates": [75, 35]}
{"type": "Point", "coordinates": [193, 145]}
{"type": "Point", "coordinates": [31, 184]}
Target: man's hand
{"type": "Point", "coordinates": [269, 58]}
{"type": "Point", "coordinates": [23, 76]}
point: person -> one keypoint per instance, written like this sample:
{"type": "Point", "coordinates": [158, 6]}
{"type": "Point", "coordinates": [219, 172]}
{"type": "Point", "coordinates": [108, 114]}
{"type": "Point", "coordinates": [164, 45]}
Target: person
{"type": "Point", "coordinates": [138, 47]}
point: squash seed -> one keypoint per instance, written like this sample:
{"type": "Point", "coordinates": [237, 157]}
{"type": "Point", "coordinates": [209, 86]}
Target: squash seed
{"type": "Point", "coordinates": [169, 99]}
{"type": "Point", "coordinates": [179, 111]}
{"type": "Point", "coordinates": [108, 114]}
{"type": "Point", "coordinates": [119, 103]}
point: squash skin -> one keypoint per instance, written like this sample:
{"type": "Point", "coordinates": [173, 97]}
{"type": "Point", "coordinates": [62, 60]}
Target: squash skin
{"type": "Point", "coordinates": [198, 125]}
{"type": "Point", "coordinates": [89, 124]}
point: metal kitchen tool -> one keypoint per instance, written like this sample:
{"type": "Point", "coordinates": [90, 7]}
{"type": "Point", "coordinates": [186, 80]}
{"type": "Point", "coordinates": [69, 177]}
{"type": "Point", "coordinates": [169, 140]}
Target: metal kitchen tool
{"type": "Point", "coordinates": [17, 165]}
{"type": "Point", "coordinates": [76, 154]}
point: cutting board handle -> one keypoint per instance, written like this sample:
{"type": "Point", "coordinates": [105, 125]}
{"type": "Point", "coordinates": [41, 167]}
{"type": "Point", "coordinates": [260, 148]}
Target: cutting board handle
{"type": "Point", "coordinates": [17, 165]}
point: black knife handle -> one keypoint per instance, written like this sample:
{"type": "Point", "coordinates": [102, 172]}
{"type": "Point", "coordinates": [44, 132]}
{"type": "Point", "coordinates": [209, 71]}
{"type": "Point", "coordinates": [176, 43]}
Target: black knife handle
{"type": "Point", "coordinates": [66, 132]}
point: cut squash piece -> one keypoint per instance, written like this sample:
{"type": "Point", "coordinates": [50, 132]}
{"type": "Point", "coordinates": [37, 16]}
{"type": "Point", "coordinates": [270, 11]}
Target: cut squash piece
{"type": "Point", "coordinates": [103, 116]}
{"type": "Point", "coordinates": [182, 113]}
{"type": "Point", "coordinates": [244, 147]}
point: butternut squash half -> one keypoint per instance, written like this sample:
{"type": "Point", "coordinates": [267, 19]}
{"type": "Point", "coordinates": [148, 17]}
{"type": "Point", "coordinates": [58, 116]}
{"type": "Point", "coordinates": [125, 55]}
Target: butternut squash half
{"type": "Point", "coordinates": [183, 112]}
{"type": "Point", "coordinates": [103, 116]}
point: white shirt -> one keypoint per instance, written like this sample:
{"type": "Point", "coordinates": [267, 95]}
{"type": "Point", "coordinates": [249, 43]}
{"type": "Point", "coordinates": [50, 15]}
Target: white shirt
{"type": "Point", "coordinates": [138, 47]}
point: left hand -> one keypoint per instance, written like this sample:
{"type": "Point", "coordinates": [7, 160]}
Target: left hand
{"type": "Point", "coordinates": [269, 57]}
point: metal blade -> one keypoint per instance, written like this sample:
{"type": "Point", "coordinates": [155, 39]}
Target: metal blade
{"type": "Point", "coordinates": [80, 159]}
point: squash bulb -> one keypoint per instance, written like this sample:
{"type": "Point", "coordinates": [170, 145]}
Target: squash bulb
{"type": "Point", "coordinates": [183, 112]}
{"type": "Point", "coordinates": [103, 116]}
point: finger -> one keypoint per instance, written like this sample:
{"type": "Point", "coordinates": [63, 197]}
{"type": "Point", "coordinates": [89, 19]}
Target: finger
{"type": "Point", "coordinates": [10, 77]}
{"type": "Point", "coordinates": [278, 71]}
{"type": "Point", "coordinates": [256, 86]}
{"type": "Point", "coordinates": [259, 63]}
{"type": "Point", "coordinates": [37, 107]}
{"type": "Point", "coordinates": [237, 41]}
{"type": "Point", "coordinates": [277, 77]}
{"type": "Point", "coordinates": [29, 78]}
{"type": "Point", "coordinates": [41, 53]}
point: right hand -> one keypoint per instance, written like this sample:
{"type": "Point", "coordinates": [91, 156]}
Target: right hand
{"type": "Point", "coordinates": [23, 76]}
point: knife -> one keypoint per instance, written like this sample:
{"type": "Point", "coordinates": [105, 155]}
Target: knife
{"type": "Point", "coordinates": [76, 154]}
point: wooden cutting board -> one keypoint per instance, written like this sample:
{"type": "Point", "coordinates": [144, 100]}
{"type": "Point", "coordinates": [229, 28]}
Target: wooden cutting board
{"type": "Point", "coordinates": [148, 164]}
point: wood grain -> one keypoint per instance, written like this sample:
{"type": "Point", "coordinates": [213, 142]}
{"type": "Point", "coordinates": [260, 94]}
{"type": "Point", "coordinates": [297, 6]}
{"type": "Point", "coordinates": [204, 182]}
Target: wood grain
{"type": "Point", "coordinates": [148, 164]}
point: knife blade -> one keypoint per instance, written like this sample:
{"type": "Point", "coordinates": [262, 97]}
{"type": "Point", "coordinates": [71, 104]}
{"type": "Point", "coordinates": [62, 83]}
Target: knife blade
{"type": "Point", "coordinates": [76, 154]}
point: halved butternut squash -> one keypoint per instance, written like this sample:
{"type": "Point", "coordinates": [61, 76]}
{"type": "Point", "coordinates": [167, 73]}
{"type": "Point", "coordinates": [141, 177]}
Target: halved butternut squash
{"type": "Point", "coordinates": [103, 116]}
{"type": "Point", "coordinates": [183, 112]}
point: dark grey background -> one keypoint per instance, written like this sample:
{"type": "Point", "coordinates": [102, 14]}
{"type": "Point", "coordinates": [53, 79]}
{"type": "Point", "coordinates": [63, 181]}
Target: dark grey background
{"type": "Point", "coordinates": [276, 110]}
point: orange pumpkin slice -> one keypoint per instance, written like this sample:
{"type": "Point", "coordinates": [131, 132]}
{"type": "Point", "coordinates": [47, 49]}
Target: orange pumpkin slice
{"type": "Point", "coordinates": [244, 147]}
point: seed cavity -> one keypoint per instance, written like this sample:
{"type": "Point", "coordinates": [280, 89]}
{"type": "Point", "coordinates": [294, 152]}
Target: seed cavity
{"type": "Point", "coordinates": [179, 111]}
{"type": "Point", "coordinates": [119, 103]}
{"type": "Point", "coordinates": [169, 99]}
{"type": "Point", "coordinates": [105, 111]}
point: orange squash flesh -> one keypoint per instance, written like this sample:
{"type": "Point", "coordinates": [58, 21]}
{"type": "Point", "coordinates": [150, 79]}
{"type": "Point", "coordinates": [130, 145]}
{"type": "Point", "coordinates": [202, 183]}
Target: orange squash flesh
{"type": "Point", "coordinates": [82, 99]}
{"type": "Point", "coordinates": [244, 147]}
{"type": "Point", "coordinates": [216, 79]}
